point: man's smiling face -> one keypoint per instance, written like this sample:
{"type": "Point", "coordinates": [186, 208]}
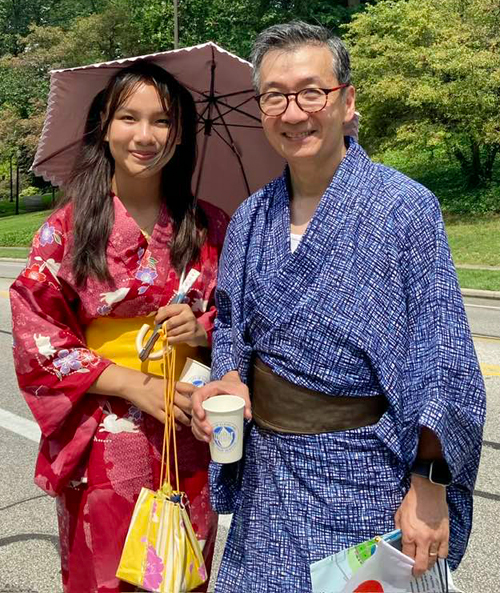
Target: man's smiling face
{"type": "Point", "coordinates": [296, 135]}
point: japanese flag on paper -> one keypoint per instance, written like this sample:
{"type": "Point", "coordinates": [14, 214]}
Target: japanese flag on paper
{"type": "Point", "coordinates": [389, 571]}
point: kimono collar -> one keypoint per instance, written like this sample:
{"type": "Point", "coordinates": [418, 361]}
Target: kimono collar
{"type": "Point", "coordinates": [350, 178]}
{"type": "Point", "coordinates": [126, 233]}
{"type": "Point", "coordinates": [127, 238]}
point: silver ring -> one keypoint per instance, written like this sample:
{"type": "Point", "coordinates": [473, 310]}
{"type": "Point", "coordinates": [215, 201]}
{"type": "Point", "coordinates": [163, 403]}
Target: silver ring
{"type": "Point", "coordinates": [433, 553]}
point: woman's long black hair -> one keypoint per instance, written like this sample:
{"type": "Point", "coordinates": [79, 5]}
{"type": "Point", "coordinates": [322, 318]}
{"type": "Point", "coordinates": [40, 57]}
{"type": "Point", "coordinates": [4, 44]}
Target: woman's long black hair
{"type": "Point", "coordinates": [89, 187]}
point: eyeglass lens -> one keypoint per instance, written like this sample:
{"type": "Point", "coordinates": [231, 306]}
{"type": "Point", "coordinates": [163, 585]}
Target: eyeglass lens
{"type": "Point", "coordinates": [309, 100]}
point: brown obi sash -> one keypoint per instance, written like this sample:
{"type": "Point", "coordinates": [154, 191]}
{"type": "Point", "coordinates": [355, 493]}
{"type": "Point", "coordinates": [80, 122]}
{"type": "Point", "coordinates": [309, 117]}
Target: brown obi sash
{"type": "Point", "coordinates": [282, 406]}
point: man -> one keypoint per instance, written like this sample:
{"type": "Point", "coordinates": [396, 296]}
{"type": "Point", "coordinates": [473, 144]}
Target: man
{"type": "Point", "coordinates": [339, 305]}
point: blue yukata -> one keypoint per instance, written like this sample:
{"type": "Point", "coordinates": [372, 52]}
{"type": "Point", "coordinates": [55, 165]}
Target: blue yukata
{"type": "Point", "coordinates": [368, 304]}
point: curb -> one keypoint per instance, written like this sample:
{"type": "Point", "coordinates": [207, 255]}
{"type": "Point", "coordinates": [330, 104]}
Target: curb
{"type": "Point", "coordinates": [481, 294]}
{"type": "Point", "coordinates": [20, 260]}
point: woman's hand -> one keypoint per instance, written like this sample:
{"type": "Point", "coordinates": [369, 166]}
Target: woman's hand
{"type": "Point", "coordinates": [182, 325]}
{"type": "Point", "coordinates": [230, 384]}
{"type": "Point", "coordinates": [424, 523]}
{"type": "Point", "coordinates": [146, 392]}
{"type": "Point", "coordinates": [151, 400]}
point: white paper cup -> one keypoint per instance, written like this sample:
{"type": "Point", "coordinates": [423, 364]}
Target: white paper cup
{"type": "Point", "coordinates": [195, 373]}
{"type": "Point", "coordinates": [225, 414]}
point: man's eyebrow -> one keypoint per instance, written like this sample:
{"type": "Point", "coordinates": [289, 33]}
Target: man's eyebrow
{"type": "Point", "coordinates": [300, 85]}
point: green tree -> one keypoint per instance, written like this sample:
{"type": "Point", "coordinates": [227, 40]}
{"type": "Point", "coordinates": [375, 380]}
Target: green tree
{"type": "Point", "coordinates": [428, 74]}
{"type": "Point", "coordinates": [16, 17]}
{"type": "Point", "coordinates": [24, 79]}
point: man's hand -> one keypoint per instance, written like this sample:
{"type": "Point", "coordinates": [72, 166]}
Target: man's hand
{"type": "Point", "coordinates": [424, 523]}
{"type": "Point", "coordinates": [230, 385]}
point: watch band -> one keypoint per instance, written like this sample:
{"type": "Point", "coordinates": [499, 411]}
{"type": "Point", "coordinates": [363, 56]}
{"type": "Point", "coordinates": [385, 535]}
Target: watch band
{"type": "Point", "coordinates": [436, 471]}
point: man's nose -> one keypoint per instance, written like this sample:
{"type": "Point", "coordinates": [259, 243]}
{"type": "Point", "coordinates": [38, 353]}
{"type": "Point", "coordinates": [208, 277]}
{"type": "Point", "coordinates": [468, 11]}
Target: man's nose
{"type": "Point", "coordinates": [293, 113]}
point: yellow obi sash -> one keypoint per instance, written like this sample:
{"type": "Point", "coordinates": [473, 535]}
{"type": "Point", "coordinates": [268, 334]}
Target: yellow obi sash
{"type": "Point", "coordinates": [114, 339]}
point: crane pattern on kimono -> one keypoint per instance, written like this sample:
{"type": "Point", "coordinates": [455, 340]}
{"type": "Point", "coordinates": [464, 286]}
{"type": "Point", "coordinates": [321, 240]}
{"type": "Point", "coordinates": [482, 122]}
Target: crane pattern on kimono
{"type": "Point", "coordinates": [111, 423]}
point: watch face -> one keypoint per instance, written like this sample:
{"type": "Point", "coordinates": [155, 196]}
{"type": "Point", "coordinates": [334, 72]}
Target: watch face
{"type": "Point", "coordinates": [439, 473]}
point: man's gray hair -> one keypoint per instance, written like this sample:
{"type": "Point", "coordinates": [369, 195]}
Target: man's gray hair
{"type": "Point", "coordinates": [290, 36]}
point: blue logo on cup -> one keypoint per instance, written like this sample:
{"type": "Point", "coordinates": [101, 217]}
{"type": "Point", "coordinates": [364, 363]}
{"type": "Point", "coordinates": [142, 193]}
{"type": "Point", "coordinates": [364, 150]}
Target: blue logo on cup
{"type": "Point", "coordinates": [225, 437]}
{"type": "Point", "coordinates": [198, 383]}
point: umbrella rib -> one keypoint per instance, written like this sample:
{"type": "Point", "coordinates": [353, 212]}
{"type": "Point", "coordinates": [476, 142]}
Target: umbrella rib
{"type": "Point", "coordinates": [222, 96]}
{"type": "Point", "coordinates": [206, 125]}
{"type": "Point", "coordinates": [237, 125]}
{"type": "Point", "coordinates": [233, 148]}
{"type": "Point", "coordinates": [231, 108]}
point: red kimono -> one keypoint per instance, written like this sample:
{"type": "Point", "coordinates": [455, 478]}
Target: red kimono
{"type": "Point", "coordinates": [96, 453]}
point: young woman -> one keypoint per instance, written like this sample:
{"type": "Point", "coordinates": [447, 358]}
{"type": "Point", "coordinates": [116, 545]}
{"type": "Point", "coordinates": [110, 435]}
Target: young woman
{"type": "Point", "coordinates": [107, 261]}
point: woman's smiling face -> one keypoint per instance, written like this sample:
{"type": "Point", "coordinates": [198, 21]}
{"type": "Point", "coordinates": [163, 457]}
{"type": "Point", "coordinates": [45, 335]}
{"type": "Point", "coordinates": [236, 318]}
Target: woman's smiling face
{"type": "Point", "coordinates": [138, 134]}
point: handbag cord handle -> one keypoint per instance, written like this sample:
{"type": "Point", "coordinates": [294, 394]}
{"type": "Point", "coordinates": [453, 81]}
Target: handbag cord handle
{"type": "Point", "coordinates": [169, 394]}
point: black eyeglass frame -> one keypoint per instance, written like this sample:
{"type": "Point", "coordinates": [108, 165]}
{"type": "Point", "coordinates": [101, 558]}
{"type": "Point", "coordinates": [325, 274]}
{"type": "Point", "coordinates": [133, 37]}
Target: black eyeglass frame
{"type": "Point", "coordinates": [288, 95]}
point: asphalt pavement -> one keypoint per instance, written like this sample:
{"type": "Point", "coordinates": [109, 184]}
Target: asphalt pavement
{"type": "Point", "coordinates": [29, 557]}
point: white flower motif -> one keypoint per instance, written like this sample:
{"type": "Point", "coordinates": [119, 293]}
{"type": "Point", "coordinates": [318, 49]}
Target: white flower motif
{"type": "Point", "coordinates": [44, 346]}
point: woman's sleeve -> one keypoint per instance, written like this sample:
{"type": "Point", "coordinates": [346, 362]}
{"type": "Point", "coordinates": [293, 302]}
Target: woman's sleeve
{"type": "Point", "coordinates": [53, 365]}
{"type": "Point", "coordinates": [444, 386]}
{"type": "Point", "coordinates": [218, 222]}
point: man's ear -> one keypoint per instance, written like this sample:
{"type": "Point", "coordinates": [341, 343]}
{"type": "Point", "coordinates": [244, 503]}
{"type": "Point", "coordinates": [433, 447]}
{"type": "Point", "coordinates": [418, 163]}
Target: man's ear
{"type": "Point", "coordinates": [350, 102]}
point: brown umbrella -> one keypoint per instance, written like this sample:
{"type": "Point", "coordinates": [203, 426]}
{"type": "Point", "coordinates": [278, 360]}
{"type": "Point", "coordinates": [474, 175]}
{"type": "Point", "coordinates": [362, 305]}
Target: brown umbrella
{"type": "Point", "coordinates": [234, 157]}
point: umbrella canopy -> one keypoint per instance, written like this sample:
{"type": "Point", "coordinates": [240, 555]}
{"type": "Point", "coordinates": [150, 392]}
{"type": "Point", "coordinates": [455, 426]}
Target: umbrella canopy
{"type": "Point", "coordinates": [234, 157]}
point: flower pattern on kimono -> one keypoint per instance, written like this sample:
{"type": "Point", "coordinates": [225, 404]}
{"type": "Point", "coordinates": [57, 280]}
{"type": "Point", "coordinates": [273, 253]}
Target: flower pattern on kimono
{"type": "Point", "coordinates": [146, 275]}
{"type": "Point", "coordinates": [50, 264]}
{"type": "Point", "coordinates": [104, 310]}
{"type": "Point", "coordinates": [67, 361]}
{"type": "Point", "coordinates": [34, 272]}
{"type": "Point", "coordinates": [134, 414]}
{"type": "Point", "coordinates": [47, 235]}
{"type": "Point", "coordinates": [88, 358]}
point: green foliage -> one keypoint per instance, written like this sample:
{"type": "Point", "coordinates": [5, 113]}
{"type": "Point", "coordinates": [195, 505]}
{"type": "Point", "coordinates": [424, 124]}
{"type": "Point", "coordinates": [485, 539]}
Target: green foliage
{"type": "Point", "coordinates": [428, 74]}
{"type": "Point", "coordinates": [443, 176]}
{"type": "Point", "coordinates": [16, 17]}
{"type": "Point", "coordinates": [29, 191]}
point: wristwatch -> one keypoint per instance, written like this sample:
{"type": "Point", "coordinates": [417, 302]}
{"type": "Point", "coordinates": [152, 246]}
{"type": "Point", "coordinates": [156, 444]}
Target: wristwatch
{"type": "Point", "coordinates": [435, 471]}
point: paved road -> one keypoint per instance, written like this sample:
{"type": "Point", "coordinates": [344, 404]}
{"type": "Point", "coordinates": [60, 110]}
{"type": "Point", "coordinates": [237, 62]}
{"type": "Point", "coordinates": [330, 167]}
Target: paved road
{"type": "Point", "coordinates": [10, 268]}
{"type": "Point", "coordinates": [28, 535]}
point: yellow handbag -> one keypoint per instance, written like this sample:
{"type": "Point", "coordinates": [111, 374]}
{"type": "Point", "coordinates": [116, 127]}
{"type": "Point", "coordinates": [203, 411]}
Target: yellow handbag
{"type": "Point", "coordinates": [161, 552]}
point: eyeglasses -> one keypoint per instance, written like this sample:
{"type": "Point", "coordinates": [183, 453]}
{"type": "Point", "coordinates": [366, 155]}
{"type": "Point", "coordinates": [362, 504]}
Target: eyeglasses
{"type": "Point", "coordinates": [309, 100]}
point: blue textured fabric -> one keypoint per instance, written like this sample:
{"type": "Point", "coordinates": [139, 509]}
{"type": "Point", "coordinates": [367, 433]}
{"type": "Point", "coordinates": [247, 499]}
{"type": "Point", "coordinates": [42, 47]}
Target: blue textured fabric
{"type": "Point", "coordinates": [369, 303]}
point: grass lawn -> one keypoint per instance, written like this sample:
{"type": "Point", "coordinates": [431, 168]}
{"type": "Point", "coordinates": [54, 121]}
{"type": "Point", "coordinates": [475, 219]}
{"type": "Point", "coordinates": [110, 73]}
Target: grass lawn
{"type": "Point", "coordinates": [479, 279]}
{"type": "Point", "coordinates": [474, 240]}
{"type": "Point", "coordinates": [19, 230]}
{"type": "Point", "coordinates": [19, 253]}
